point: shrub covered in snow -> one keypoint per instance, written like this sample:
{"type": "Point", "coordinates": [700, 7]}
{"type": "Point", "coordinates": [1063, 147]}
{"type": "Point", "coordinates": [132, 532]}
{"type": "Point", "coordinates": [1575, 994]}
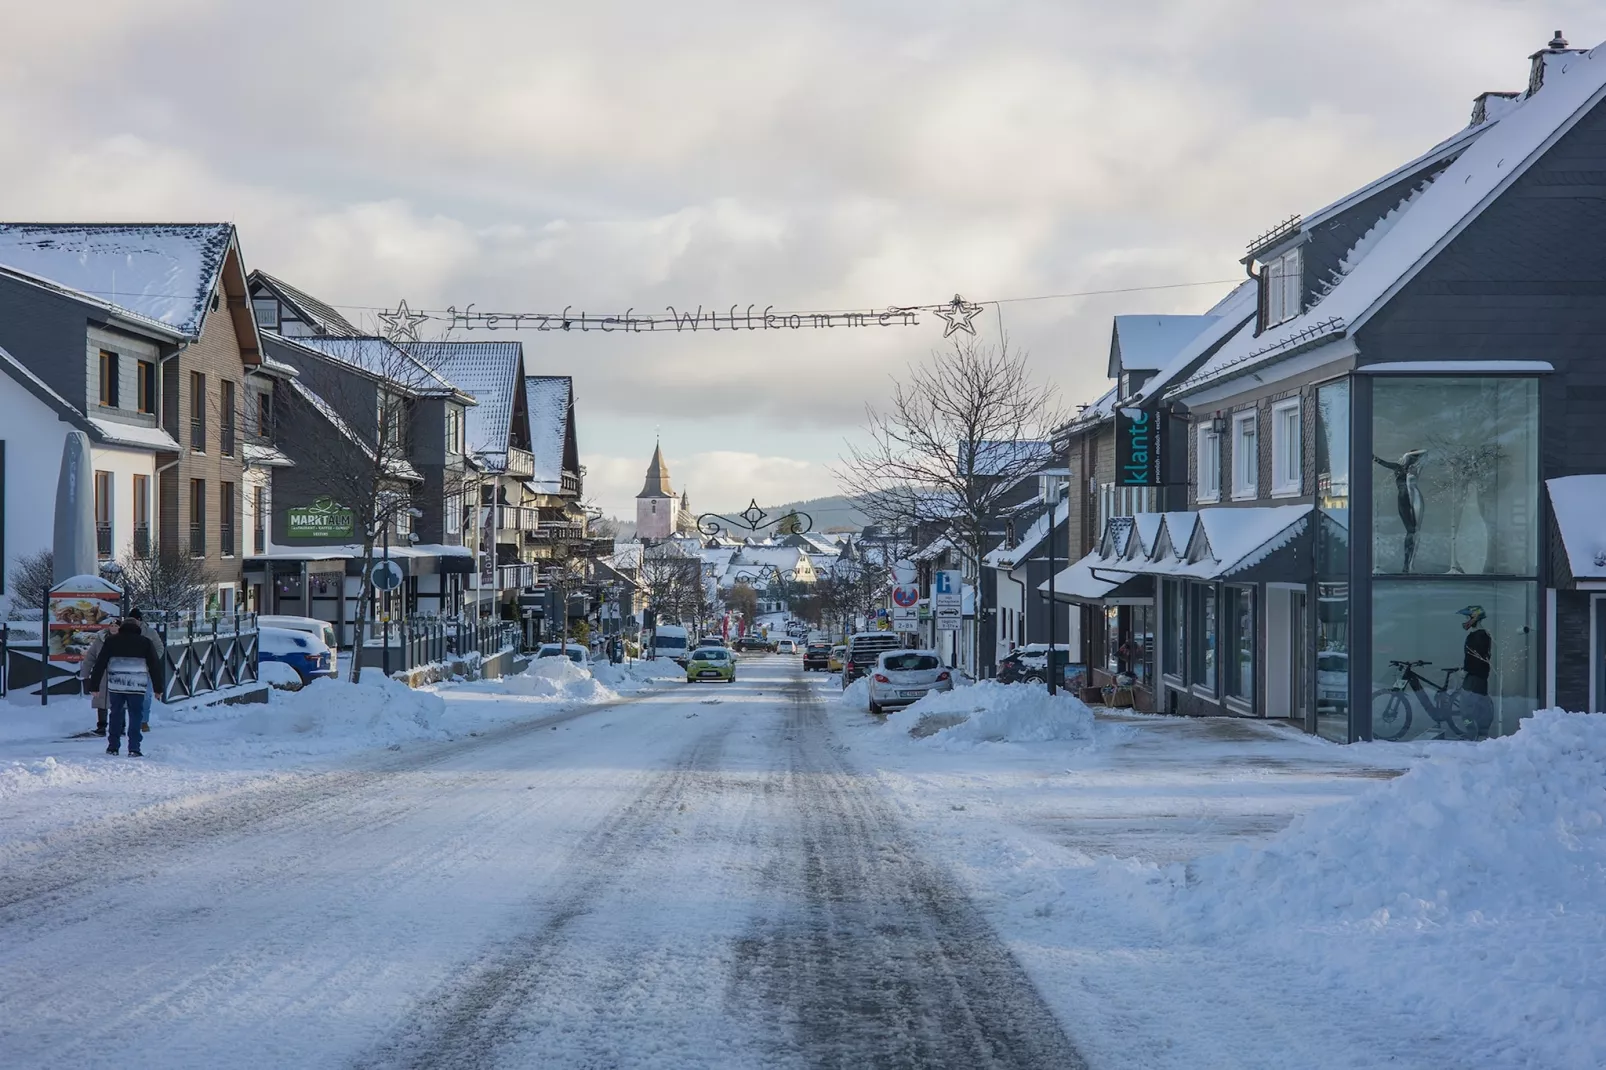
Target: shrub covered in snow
{"type": "Point", "coordinates": [990, 712]}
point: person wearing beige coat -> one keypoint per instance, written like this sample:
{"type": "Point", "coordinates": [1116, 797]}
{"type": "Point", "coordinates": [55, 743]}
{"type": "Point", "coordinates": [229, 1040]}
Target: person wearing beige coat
{"type": "Point", "coordinates": [100, 699]}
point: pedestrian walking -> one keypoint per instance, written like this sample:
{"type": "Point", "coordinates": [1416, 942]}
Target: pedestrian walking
{"type": "Point", "coordinates": [97, 696]}
{"type": "Point", "coordinates": [127, 663]}
{"type": "Point", "coordinates": [161, 659]}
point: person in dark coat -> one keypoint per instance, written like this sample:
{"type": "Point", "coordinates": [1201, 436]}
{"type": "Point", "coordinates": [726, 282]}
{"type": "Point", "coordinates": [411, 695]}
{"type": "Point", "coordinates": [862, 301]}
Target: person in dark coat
{"type": "Point", "coordinates": [128, 663]}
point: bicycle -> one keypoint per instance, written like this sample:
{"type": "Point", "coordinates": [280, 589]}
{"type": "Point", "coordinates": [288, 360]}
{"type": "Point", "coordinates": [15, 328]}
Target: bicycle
{"type": "Point", "coordinates": [1391, 709]}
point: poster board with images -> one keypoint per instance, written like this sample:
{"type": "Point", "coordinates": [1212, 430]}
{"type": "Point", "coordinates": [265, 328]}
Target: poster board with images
{"type": "Point", "coordinates": [1075, 678]}
{"type": "Point", "coordinates": [79, 609]}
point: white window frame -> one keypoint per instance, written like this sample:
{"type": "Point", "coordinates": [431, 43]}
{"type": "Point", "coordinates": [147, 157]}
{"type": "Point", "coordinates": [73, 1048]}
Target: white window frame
{"type": "Point", "coordinates": [454, 514]}
{"type": "Point", "coordinates": [1208, 476]}
{"type": "Point", "coordinates": [1287, 448]}
{"type": "Point", "coordinates": [1245, 462]}
{"type": "Point", "coordinates": [1284, 285]}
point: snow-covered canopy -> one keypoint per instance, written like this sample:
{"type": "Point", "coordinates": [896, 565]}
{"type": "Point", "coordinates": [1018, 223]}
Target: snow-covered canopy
{"type": "Point", "coordinates": [1579, 503]}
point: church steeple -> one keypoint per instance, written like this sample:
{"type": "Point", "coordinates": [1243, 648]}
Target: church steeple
{"type": "Point", "coordinates": [657, 484]}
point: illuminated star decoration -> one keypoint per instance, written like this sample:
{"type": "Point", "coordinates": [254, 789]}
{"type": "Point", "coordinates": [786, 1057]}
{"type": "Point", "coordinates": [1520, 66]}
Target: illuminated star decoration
{"type": "Point", "coordinates": [402, 324]}
{"type": "Point", "coordinates": [958, 313]}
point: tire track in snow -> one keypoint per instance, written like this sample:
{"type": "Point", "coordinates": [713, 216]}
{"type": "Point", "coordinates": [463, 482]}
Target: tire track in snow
{"type": "Point", "coordinates": [875, 957]}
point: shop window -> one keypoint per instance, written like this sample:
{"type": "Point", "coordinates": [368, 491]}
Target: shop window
{"type": "Point", "coordinates": [1483, 633]}
{"type": "Point", "coordinates": [1455, 476]}
{"type": "Point", "coordinates": [1172, 607]}
{"type": "Point", "coordinates": [1245, 459]}
{"type": "Point", "coordinates": [1209, 474]}
{"type": "Point", "coordinates": [1332, 560]}
{"type": "Point", "coordinates": [1285, 448]}
{"type": "Point", "coordinates": [1238, 671]}
{"type": "Point", "coordinates": [1141, 662]}
{"type": "Point", "coordinates": [1112, 639]}
{"type": "Point", "coordinates": [1202, 652]}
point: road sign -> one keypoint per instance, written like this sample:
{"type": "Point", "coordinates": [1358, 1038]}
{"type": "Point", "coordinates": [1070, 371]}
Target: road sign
{"type": "Point", "coordinates": [947, 622]}
{"type": "Point", "coordinates": [905, 618]}
{"type": "Point", "coordinates": [905, 596]}
{"type": "Point", "coordinates": [947, 591]}
{"type": "Point", "coordinates": [387, 575]}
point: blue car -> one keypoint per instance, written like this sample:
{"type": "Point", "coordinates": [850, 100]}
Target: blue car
{"type": "Point", "coordinates": [304, 652]}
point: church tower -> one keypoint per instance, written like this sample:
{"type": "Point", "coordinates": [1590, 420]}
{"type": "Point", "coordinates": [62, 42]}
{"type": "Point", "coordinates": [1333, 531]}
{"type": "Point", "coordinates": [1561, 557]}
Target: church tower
{"type": "Point", "coordinates": [656, 505]}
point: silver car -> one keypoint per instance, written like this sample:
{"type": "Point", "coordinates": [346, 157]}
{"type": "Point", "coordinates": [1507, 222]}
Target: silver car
{"type": "Point", "coordinates": [904, 676]}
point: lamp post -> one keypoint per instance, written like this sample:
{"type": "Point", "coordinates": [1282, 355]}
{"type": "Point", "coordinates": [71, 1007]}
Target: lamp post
{"type": "Point", "coordinates": [1053, 609]}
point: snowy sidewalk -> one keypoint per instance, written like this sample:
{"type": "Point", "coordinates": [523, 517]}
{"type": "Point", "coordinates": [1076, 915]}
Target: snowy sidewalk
{"type": "Point", "coordinates": [1233, 894]}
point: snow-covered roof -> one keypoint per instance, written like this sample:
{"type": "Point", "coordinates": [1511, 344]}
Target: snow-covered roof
{"type": "Point", "coordinates": [140, 437]}
{"type": "Point", "coordinates": [320, 315]}
{"type": "Point", "coordinates": [385, 360]}
{"type": "Point", "coordinates": [1217, 543]}
{"type": "Point", "coordinates": [1574, 83]}
{"type": "Point", "coordinates": [165, 272]}
{"type": "Point", "coordinates": [1007, 458]}
{"type": "Point", "coordinates": [266, 456]}
{"type": "Point", "coordinates": [1230, 314]}
{"type": "Point", "coordinates": [1027, 543]}
{"type": "Point", "coordinates": [396, 467]}
{"type": "Point", "coordinates": [548, 398]}
{"type": "Point", "coordinates": [489, 371]}
{"type": "Point", "coordinates": [1078, 581]}
{"type": "Point", "coordinates": [1147, 343]}
{"type": "Point", "coordinates": [1579, 503]}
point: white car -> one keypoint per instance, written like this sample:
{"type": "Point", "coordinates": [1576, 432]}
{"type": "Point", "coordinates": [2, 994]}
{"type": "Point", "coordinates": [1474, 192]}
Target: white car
{"type": "Point", "coordinates": [577, 653]}
{"type": "Point", "coordinates": [312, 625]}
{"type": "Point", "coordinates": [904, 676]}
{"type": "Point", "coordinates": [786, 646]}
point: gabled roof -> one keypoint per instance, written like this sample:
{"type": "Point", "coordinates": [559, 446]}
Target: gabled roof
{"type": "Point", "coordinates": [1574, 82]}
{"type": "Point", "coordinates": [1230, 314]}
{"type": "Point", "coordinates": [1028, 543]}
{"type": "Point", "coordinates": [36, 386]}
{"type": "Point", "coordinates": [308, 308]}
{"type": "Point", "coordinates": [1147, 343]}
{"type": "Point", "coordinates": [382, 359]}
{"type": "Point", "coordinates": [550, 402]}
{"type": "Point", "coordinates": [1007, 457]}
{"type": "Point", "coordinates": [399, 469]}
{"type": "Point", "coordinates": [491, 372]}
{"type": "Point", "coordinates": [121, 317]}
{"type": "Point", "coordinates": [165, 272]}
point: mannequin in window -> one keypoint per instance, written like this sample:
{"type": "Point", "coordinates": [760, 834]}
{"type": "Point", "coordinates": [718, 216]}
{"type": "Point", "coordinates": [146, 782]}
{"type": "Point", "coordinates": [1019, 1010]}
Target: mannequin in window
{"type": "Point", "coordinates": [1408, 498]}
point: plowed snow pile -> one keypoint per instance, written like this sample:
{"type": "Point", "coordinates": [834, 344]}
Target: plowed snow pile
{"type": "Point", "coordinates": [990, 712]}
{"type": "Point", "coordinates": [558, 679]}
{"type": "Point", "coordinates": [638, 674]}
{"type": "Point", "coordinates": [857, 694]}
{"type": "Point", "coordinates": [1471, 889]}
{"type": "Point", "coordinates": [375, 712]}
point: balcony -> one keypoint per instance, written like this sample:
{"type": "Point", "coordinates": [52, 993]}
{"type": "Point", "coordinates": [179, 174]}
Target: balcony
{"type": "Point", "coordinates": [509, 577]}
{"type": "Point", "coordinates": [103, 541]}
{"type": "Point", "coordinates": [197, 540]}
{"type": "Point", "coordinates": [197, 434]}
{"type": "Point", "coordinates": [571, 484]}
{"type": "Point", "coordinates": [516, 518]}
{"type": "Point", "coordinates": [520, 463]}
{"type": "Point", "coordinates": [142, 540]}
{"type": "Point", "coordinates": [259, 541]}
{"type": "Point", "coordinates": [558, 529]}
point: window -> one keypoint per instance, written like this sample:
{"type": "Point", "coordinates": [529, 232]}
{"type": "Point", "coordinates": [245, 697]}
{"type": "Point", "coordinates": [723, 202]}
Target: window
{"type": "Point", "coordinates": [108, 378]}
{"type": "Point", "coordinates": [1171, 651]}
{"type": "Point", "coordinates": [226, 412]}
{"type": "Point", "coordinates": [197, 518]}
{"type": "Point", "coordinates": [147, 387]}
{"type": "Point", "coordinates": [1245, 459]}
{"type": "Point", "coordinates": [103, 515]}
{"type": "Point", "coordinates": [454, 430]}
{"type": "Point", "coordinates": [259, 502]}
{"type": "Point", "coordinates": [1209, 477]}
{"type": "Point", "coordinates": [1282, 285]}
{"type": "Point", "coordinates": [142, 516]}
{"type": "Point", "coordinates": [267, 312]}
{"type": "Point", "coordinates": [197, 412]}
{"type": "Point", "coordinates": [454, 514]}
{"type": "Point", "coordinates": [1239, 671]}
{"type": "Point", "coordinates": [391, 415]}
{"type": "Point", "coordinates": [264, 415]}
{"type": "Point", "coordinates": [1202, 613]}
{"type": "Point", "coordinates": [1285, 447]}
{"type": "Point", "coordinates": [225, 502]}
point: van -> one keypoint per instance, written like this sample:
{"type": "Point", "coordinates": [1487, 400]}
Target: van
{"type": "Point", "coordinates": [863, 649]}
{"type": "Point", "coordinates": [669, 641]}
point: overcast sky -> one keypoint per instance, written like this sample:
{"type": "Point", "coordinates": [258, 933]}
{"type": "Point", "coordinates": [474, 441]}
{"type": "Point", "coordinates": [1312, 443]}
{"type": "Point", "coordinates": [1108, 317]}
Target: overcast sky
{"type": "Point", "coordinates": [527, 157]}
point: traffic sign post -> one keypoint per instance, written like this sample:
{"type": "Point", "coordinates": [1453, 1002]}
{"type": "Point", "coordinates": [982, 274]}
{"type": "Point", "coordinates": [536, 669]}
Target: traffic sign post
{"type": "Point", "coordinates": [947, 599]}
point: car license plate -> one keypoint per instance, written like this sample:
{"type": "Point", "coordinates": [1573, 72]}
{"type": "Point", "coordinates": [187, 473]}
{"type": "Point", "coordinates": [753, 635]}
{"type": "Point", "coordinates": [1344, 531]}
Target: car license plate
{"type": "Point", "coordinates": [709, 672]}
{"type": "Point", "coordinates": [912, 694]}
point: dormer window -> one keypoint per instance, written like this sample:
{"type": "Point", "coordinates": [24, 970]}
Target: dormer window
{"type": "Point", "coordinates": [1282, 288]}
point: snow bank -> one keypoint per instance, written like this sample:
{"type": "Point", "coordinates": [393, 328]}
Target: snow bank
{"type": "Point", "coordinates": [638, 674]}
{"type": "Point", "coordinates": [19, 777]}
{"type": "Point", "coordinates": [558, 679]}
{"type": "Point", "coordinates": [1472, 889]}
{"type": "Point", "coordinates": [990, 712]}
{"type": "Point", "coordinates": [856, 695]}
{"type": "Point", "coordinates": [375, 712]}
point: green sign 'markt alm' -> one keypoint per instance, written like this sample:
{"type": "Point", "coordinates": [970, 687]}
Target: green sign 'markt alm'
{"type": "Point", "coordinates": [323, 519]}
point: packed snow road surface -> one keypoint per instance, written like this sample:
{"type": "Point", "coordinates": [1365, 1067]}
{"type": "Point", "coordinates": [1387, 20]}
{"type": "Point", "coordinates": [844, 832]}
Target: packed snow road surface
{"type": "Point", "coordinates": [694, 879]}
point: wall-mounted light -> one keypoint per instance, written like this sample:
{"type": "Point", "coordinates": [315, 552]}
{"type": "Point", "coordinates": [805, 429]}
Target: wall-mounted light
{"type": "Point", "coordinates": [1219, 424]}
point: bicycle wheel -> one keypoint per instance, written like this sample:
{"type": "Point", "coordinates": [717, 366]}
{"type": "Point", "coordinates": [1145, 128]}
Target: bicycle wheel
{"type": "Point", "coordinates": [1391, 715]}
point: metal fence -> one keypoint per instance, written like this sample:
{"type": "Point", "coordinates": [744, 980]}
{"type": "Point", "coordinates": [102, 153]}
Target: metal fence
{"type": "Point", "coordinates": [424, 640]}
{"type": "Point", "coordinates": [201, 654]}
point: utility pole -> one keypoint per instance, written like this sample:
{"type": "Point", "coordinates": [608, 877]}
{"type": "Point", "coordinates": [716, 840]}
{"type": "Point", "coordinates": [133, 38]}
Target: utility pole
{"type": "Point", "coordinates": [1053, 609]}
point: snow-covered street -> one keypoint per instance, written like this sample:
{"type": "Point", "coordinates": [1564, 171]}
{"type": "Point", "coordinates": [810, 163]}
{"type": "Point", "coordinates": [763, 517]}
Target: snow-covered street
{"type": "Point", "coordinates": [744, 875]}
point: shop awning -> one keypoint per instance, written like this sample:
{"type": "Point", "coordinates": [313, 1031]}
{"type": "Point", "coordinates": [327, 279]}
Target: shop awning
{"type": "Point", "coordinates": [1091, 581]}
{"type": "Point", "coordinates": [1579, 503]}
{"type": "Point", "coordinates": [1253, 543]}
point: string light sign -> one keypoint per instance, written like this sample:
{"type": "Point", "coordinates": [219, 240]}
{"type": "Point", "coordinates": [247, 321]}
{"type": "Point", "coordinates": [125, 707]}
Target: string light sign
{"type": "Point", "coordinates": [401, 324]}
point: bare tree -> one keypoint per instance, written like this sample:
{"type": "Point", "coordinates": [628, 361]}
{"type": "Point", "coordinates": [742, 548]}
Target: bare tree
{"type": "Point", "coordinates": [170, 582]}
{"type": "Point", "coordinates": [673, 584]}
{"type": "Point", "coordinates": [32, 576]}
{"type": "Point", "coordinates": [958, 431]}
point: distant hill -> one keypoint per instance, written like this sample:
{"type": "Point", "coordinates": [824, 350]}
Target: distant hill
{"type": "Point", "coordinates": [834, 511]}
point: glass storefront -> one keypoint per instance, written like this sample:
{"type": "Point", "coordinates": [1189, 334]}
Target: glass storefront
{"type": "Point", "coordinates": [1332, 560]}
{"type": "Point", "coordinates": [1456, 481]}
{"type": "Point", "coordinates": [1482, 634]}
{"type": "Point", "coordinates": [1202, 598]}
{"type": "Point", "coordinates": [1143, 645]}
{"type": "Point", "coordinates": [1171, 651]}
{"type": "Point", "coordinates": [1238, 669]}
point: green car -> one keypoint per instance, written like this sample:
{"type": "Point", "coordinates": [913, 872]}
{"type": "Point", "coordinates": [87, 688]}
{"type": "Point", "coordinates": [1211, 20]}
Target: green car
{"type": "Point", "coordinates": [711, 663]}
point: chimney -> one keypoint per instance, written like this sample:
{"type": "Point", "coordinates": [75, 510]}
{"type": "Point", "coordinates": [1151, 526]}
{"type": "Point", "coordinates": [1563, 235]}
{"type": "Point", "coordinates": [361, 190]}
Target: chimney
{"type": "Point", "coordinates": [1549, 54]}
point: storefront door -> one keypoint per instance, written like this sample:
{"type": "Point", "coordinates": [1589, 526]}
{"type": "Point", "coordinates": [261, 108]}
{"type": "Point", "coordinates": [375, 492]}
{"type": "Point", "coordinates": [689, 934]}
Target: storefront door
{"type": "Point", "coordinates": [1299, 660]}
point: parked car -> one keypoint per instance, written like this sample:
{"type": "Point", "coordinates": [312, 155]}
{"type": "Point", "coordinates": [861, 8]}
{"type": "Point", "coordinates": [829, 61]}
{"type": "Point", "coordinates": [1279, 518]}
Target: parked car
{"type": "Point", "coordinates": [751, 644]}
{"type": "Point", "coordinates": [713, 640]}
{"type": "Point", "coordinates": [321, 628]}
{"type": "Point", "coordinates": [863, 648]}
{"type": "Point", "coordinates": [833, 663]}
{"type": "Point", "coordinates": [304, 652]}
{"type": "Point", "coordinates": [577, 653]}
{"type": "Point", "coordinates": [786, 646]}
{"type": "Point", "coordinates": [711, 663]}
{"type": "Point", "coordinates": [816, 656]}
{"type": "Point", "coordinates": [904, 676]}
{"type": "Point", "coordinates": [1029, 664]}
